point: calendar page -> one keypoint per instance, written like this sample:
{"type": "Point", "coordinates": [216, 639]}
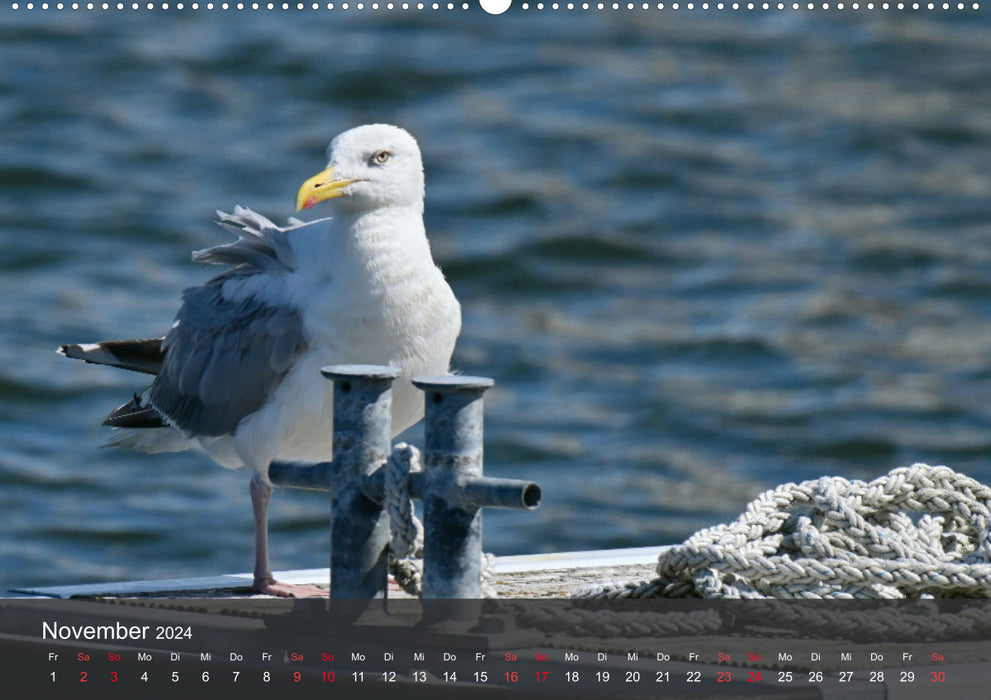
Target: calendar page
{"type": "Point", "coordinates": [498, 648]}
{"type": "Point", "coordinates": [715, 273]}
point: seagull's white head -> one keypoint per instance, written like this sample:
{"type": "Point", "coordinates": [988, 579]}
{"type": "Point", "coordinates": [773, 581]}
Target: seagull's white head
{"type": "Point", "coordinates": [371, 166]}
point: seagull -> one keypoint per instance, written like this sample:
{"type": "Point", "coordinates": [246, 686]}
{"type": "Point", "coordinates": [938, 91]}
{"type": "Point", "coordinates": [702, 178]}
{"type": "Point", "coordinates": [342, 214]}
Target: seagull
{"type": "Point", "coordinates": [238, 375]}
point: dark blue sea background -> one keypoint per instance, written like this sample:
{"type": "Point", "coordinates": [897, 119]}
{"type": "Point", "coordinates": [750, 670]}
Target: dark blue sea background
{"type": "Point", "coordinates": [702, 253]}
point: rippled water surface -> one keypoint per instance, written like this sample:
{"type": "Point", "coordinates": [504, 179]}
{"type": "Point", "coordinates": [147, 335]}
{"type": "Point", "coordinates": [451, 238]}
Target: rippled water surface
{"type": "Point", "coordinates": [701, 254]}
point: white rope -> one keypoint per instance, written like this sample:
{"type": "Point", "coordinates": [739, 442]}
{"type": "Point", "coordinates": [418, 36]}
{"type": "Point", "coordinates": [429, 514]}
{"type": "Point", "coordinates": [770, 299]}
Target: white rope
{"type": "Point", "coordinates": [488, 575]}
{"type": "Point", "coordinates": [406, 530]}
{"type": "Point", "coordinates": [919, 531]}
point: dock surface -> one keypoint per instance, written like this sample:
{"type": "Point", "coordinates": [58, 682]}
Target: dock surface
{"type": "Point", "coordinates": [552, 575]}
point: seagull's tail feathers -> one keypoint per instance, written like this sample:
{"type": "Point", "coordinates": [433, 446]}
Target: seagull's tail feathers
{"type": "Point", "coordinates": [138, 426]}
{"type": "Point", "coordinates": [152, 440]}
{"type": "Point", "coordinates": [136, 413]}
{"type": "Point", "coordinates": [144, 355]}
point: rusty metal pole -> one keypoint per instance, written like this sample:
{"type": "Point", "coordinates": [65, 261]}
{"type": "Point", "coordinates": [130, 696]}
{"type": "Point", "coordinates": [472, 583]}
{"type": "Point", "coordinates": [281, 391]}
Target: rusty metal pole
{"type": "Point", "coordinates": [452, 457]}
{"type": "Point", "coordinates": [359, 530]}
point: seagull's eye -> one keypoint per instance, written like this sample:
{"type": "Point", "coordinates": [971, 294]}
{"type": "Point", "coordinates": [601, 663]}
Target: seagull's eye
{"type": "Point", "coordinates": [381, 158]}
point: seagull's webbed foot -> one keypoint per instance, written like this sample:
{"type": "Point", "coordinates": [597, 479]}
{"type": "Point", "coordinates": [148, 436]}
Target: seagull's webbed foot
{"type": "Point", "coordinates": [272, 587]}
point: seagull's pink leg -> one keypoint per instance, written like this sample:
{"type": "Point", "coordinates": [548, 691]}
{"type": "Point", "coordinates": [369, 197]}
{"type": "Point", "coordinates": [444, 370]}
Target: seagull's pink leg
{"type": "Point", "coordinates": [261, 494]}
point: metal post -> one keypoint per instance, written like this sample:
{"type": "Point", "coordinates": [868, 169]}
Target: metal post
{"type": "Point", "coordinates": [452, 458]}
{"type": "Point", "coordinates": [451, 486]}
{"type": "Point", "coordinates": [359, 531]}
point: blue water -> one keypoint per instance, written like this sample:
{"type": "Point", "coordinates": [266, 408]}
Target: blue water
{"type": "Point", "coordinates": [701, 253]}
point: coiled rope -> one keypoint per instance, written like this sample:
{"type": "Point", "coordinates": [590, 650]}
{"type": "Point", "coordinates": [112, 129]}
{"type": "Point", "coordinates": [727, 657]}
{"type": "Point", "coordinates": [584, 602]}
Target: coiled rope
{"type": "Point", "coordinates": [919, 531]}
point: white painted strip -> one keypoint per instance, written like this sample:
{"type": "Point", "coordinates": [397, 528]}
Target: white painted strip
{"type": "Point", "coordinates": [646, 556]}
{"type": "Point", "coordinates": [579, 560]}
{"type": "Point", "coordinates": [165, 586]}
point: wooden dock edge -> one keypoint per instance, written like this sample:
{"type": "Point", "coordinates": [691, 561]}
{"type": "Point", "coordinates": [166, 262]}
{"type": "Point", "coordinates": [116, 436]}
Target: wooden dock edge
{"type": "Point", "coordinates": [551, 575]}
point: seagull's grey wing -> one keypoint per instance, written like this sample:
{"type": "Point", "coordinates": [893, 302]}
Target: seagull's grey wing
{"type": "Point", "coordinates": [224, 359]}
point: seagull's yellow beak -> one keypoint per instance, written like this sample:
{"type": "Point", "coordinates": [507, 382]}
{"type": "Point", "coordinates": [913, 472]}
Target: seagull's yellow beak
{"type": "Point", "coordinates": [320, 187]}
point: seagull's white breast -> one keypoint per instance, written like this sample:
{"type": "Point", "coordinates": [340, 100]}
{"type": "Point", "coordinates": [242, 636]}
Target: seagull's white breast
{"type": "Point", "coordinates": [369, 293]}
